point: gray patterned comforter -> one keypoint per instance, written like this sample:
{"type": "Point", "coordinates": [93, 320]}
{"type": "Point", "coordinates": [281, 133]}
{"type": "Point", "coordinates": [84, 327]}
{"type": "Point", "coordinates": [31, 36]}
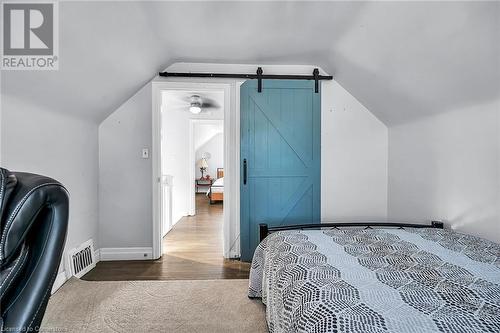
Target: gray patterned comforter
{"type": "Point", "coordinates": [378, 280]}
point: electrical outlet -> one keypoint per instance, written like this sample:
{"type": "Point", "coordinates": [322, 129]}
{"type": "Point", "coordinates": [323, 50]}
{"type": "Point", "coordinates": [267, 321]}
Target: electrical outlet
{"type": "Point", "coordinates": [145, 153]}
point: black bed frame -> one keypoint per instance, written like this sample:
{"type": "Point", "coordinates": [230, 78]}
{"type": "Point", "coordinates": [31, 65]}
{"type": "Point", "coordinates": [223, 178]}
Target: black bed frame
{"type": "Point", "coordinates": [265, 230]}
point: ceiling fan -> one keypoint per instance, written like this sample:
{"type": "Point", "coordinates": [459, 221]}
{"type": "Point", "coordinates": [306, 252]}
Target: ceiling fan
{"type": "Point", "coordinates": [196, 104]}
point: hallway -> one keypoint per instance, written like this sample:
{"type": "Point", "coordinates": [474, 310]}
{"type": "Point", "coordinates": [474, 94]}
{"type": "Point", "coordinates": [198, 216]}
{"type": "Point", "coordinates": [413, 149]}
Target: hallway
{"type": "Point", "coordinates": [192, 251]}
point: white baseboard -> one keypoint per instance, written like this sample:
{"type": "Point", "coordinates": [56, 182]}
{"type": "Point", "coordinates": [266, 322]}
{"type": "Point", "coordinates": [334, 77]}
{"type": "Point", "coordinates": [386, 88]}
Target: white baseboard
{"type": "Point", "coordinates": [97, 255]}
{"type": "Point", "coordinates": [125, 253]}
{"type": "Point", "coordinates": [61, 278]}
{"type": "Point", "coordinates": [110, 253]}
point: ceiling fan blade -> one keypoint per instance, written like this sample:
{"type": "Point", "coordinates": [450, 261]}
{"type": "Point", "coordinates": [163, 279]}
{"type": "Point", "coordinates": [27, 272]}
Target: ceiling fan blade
{"type": "Point", "coordinates": [210, 103]}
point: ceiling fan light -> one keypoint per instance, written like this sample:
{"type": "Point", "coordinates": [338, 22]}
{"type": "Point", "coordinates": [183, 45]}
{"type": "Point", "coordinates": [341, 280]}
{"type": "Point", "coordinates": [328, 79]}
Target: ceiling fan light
{"type": "Point", "coordinates": [194, 109]}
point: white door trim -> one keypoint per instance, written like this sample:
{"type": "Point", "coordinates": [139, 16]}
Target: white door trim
{"type": "Point", "coordinates": [231, 158]}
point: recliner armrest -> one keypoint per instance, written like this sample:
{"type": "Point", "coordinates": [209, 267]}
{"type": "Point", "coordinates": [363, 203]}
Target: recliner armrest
{"type": "Point", "coordinates": [34, 221]}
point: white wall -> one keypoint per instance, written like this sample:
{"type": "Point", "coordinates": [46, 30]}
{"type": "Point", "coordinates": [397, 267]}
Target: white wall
{"type": "Point", "coordinates": [447, 167]}
{"type": "Point", "coordinates": [59, 146]}
{"type": "Point", "coordinates": [353, 159]}
{"type": "Point", "coordinates": [125, 178]}
{"type": "Point", "coordinates": [213, 144]}
{"type": "Point", "coordinates": [204, 131]}
{"type": "Point", "coordinates": [175, 133]}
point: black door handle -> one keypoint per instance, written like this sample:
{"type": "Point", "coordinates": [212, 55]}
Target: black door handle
{"type": "Point", "coordinates": [244, 171]}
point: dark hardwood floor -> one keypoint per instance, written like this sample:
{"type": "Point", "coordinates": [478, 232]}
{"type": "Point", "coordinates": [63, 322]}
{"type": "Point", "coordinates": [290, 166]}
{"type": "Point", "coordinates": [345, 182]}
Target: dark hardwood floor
{"type": "Point", "coordinates": [192, 251]}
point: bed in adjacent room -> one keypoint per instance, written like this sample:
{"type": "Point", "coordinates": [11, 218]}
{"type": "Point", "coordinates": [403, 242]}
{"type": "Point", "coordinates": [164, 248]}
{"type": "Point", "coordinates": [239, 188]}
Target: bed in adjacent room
{"type": "Point", "coordinates": [216, 191]}
{"type": "Point", "coordinates": [353, 279]}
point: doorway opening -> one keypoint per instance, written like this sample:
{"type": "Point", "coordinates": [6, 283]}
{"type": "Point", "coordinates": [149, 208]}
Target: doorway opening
{"type": "Point", "coordinates": [193, 214]}
{"type": "Point", "coordinates": [207, 148]}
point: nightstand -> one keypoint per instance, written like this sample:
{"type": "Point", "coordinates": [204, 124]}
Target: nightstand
{"type": "Point", "coordinates": [203, 183]}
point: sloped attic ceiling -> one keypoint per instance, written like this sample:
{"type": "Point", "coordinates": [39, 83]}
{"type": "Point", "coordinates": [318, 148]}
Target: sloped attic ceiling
{"type": "Point", "coordinates": [402, 60]}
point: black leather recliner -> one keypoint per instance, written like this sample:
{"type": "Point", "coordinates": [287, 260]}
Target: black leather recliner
{"type": "Point", "coordinates": [34, 221]}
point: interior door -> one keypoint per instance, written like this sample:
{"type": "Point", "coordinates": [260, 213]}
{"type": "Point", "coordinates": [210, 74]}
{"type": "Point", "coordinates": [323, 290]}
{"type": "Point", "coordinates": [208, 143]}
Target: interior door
{"type": "Point", "coordinates": [280, 157]}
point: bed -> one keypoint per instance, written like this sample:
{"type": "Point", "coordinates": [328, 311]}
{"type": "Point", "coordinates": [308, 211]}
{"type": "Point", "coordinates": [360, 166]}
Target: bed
{"type": "Point", "coordinates": [377, 279]}
{"type": "Point", "coordinates": [216, 191]}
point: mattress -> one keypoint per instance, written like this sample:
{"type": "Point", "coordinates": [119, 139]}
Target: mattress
{"type": "Point", "coordinates": [378, 280]}
{"type": "Point", "coordinates": [218, 182]}
{"type": "Point", "coordinates": [216, 189]}
{"type": "Point", "coordinates": [217, 186]}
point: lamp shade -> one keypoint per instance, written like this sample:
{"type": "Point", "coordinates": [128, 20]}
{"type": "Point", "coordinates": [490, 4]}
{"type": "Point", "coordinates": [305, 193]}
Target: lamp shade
{"type": "Point", "coordinates": [203, 163]}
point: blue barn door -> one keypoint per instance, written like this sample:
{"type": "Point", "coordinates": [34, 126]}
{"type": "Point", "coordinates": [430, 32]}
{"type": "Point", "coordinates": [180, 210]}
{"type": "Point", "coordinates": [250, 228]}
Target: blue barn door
{"type": "Point", "coordinates": [280, 145]}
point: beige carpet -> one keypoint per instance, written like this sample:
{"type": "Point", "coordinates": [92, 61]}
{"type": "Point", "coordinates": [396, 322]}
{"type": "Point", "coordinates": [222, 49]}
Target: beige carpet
{"type": "Point", "coordinates": [154, 306]}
